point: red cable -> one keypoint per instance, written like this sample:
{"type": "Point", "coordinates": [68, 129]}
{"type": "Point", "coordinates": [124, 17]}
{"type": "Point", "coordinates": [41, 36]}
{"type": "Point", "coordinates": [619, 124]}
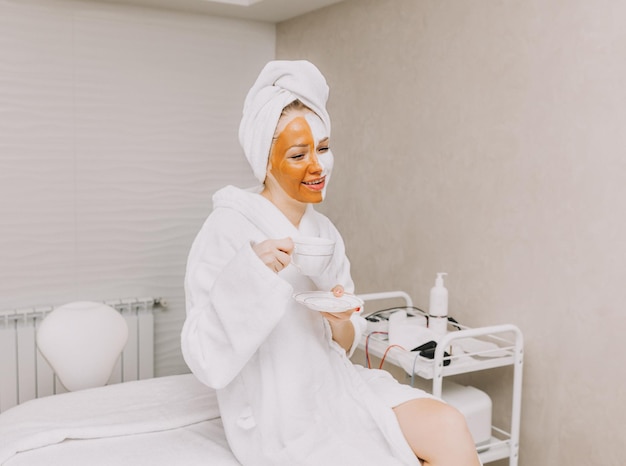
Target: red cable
{"type": "Point", "coordinates": [385, 355]}
{"type": "Point", "coordinates": [367, 339]}
{"type": "Point", "coordinates": [367, 354]}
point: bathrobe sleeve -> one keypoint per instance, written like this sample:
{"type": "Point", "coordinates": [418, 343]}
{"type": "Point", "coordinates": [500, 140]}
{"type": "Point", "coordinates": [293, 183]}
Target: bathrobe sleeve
{"type": "Point", "coordinates": [234, 301]}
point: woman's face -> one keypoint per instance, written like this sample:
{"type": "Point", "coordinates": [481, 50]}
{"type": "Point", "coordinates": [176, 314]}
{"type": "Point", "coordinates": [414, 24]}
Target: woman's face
{"type": "Point", "coordinates": [300, 158]}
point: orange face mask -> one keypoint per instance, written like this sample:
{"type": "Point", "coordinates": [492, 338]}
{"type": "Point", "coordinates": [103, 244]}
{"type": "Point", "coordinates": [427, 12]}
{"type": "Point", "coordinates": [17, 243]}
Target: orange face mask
{"type": "Point", "coordinates": [300, 158]}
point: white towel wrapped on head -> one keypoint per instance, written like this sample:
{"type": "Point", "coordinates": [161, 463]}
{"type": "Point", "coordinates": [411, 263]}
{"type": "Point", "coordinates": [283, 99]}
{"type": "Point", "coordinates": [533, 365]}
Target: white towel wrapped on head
{"type": "Point", "coordinates": [279, 83]}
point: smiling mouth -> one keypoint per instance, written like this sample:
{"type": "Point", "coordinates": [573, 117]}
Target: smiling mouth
{"type": "Point", "coordinates": [315, 183]}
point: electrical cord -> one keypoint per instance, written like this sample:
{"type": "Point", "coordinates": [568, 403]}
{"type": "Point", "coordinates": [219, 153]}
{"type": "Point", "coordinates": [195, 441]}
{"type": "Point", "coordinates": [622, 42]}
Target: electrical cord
{"type": "Point", "coordinates": [382, 361]}
{"type": "Point", "coordinates": [367, 340]}
{"type": "Point", "coordinates": [374, 316]}
{"type": "Point", "coordinates": [397, 308]}
{"type": "Point", "coordinates": [367, 354]}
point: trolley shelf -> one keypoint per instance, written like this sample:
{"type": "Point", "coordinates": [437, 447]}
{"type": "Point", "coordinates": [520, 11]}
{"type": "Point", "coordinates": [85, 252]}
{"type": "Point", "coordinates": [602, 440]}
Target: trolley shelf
{"type": "Point", "coordinates": [460, 361]}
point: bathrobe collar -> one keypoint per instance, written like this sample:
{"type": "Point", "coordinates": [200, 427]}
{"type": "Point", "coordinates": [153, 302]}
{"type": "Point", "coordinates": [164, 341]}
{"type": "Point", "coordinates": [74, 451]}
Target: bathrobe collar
{"type": "Point", "coordinates": [264, 214]}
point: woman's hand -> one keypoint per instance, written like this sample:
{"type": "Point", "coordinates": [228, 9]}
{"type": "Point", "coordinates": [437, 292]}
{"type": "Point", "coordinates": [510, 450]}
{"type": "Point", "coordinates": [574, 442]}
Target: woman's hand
{"type": "Point", "coordinates": [275, 253]}
{"type": "Point", "coordinates": [338, 291]}
{"type": "Point", "coordinates": [340, 325]}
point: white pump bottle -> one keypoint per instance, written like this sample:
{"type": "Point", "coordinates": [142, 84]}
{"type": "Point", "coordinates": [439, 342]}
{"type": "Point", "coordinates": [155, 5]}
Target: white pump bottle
{"type": "Point", "coordinates": [438, 308]}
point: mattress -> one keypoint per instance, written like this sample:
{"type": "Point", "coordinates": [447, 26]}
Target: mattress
{"type": "Point", "coordinates": [170, 420]}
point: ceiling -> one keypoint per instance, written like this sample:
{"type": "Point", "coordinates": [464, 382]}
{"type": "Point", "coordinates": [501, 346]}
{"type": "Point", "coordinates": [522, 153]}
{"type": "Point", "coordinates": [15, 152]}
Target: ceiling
{"type": "Point", "coordinates": [272, 11]}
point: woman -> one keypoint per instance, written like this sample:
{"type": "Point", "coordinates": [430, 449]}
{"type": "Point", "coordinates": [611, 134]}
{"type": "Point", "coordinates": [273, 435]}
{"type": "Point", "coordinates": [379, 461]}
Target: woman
{"type": "Point", "coordinates": [287, 392]}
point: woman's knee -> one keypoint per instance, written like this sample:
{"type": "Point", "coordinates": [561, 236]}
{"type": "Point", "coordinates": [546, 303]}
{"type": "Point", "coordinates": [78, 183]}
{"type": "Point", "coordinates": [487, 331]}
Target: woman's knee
{"type": "Point", "coordinates": [431, 412]}
{"type": "Point", "coordinates": [432, 426]}
{"type": "Point", "coordinates": [451, 420]}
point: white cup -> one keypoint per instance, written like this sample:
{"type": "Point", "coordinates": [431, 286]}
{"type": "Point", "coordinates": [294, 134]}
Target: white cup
{"type": "Point", "coordinates": [311, 255]}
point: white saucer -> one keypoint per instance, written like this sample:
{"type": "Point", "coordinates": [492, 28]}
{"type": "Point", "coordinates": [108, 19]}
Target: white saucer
{"type": "Point", "coordinates": [326, 301]}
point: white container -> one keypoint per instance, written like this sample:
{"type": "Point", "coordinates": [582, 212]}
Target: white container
{"type": "Point", "coordinates": [396, 322]}
{"type": "Point", "coordinates": [438, 306]}
{"type": "Point", "coordinates": [407, 331]}
{"type": "Point", "coordinates": [475, 405]}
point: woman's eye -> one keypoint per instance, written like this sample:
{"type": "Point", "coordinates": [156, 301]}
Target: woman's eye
{"type": "Point", "coordinates": [296, 157]}
{"type": "Point", "coordinates": [323, 149]}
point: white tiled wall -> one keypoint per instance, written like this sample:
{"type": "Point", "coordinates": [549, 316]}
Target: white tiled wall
{"type": "Point", "coordinates": [116, 125]}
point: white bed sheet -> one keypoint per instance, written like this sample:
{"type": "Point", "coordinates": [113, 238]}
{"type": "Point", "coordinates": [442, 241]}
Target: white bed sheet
{"type": "Point", "coordinates": [162, 421]}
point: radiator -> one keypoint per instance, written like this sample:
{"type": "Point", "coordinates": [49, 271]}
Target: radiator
{"type": "Point", "coordinates": [25, 374]}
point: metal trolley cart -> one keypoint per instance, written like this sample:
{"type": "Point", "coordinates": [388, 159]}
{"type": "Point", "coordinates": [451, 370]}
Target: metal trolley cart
{"type": "Point", "coordinates": [502, 346]}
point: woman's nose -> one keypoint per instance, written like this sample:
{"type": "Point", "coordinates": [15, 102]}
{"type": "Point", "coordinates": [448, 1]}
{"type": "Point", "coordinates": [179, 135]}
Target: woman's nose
{"type": "Point", "coordinates": [315, 166]}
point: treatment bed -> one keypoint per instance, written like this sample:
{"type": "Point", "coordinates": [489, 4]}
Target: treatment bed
{"type": "Point", "coordinates": [171, 420]}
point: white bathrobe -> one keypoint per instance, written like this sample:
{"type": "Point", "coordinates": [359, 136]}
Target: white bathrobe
{"type": "Point", "coordinates": [288, 394]}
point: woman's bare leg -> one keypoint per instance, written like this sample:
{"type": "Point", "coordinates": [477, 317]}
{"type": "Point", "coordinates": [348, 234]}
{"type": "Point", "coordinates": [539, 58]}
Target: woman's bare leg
{"type": "Point", "coordinates": [437, 433]}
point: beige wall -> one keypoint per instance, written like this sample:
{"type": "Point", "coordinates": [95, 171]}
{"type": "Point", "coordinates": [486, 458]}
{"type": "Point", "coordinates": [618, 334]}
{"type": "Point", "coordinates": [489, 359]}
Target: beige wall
{"type": "Point", "coordinates": [486, 139]}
